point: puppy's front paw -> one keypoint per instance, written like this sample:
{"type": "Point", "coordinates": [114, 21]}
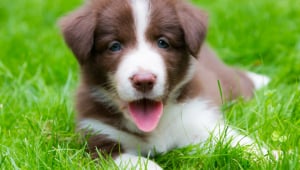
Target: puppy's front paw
{"type": "Point", "coordinates": [272, 154]}
{"type": "Point", "coordinates": [276, 154]}
{"type": "Point", "coordinates": [152, 166]}
{"type": "Point", "coordinates": [258, 80]}
{"type": "Point", "coordinates": [128, 161]}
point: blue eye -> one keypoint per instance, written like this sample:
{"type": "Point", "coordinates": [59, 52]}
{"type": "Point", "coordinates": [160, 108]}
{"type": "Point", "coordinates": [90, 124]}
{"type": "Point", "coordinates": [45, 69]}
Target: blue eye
{"type": "Point", "coordinates": [163, 43]}
{"type": "Point", "coordinates": [115, 46]}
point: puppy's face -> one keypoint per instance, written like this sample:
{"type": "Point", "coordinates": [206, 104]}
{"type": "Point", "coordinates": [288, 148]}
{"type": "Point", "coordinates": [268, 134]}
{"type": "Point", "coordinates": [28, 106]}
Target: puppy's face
{"type": "Point", "coordinates": [136, 51]}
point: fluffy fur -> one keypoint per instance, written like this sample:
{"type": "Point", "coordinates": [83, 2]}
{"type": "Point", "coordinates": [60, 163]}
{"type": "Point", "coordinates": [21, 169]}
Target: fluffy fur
{"type": "Point", "coordinates": [147, 55]}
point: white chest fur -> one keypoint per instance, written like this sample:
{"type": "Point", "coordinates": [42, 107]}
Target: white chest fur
{"type": "Point", "coordinates": [182, 124]}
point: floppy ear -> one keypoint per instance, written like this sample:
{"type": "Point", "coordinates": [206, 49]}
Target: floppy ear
{"type": "Point", "coordinates": [194, 25]}
{"type": "Point", "coordinates": [78, 31]}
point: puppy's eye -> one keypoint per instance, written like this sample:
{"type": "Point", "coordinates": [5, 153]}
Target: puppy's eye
{"type": "Point", "coordinates": [115, 46]}
{"type": "Point", "coordinates": [163, 43]}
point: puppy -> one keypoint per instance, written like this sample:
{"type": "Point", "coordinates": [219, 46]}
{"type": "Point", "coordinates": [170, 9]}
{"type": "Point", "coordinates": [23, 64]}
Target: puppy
{"type": "Point", "coordinates": [147, 80]}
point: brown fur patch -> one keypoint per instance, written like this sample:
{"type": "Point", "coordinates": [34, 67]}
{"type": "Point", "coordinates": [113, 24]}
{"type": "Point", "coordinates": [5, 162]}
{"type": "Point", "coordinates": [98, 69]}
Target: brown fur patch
{"type": "Point", "coordinates": [100, 144]}
{"type": "Point", "coordinates": [165, 22]}
{"type": "Point", "coordinates": [77, 29]}
{"type": "Point", "coordinates": [194, 24]}
{"type": "Point", "coordinates": [89, 31]}
{"type": "Point", "coordinates": [210, 70]}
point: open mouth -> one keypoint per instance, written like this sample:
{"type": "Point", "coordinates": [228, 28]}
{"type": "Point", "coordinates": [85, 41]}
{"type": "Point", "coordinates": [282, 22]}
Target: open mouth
{"type": "Point", "coordinates": [146, 113]}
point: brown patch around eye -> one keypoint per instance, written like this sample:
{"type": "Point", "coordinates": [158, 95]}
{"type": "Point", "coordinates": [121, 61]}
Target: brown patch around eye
{"type": "Point", "coordinates": [115, 26]}
{"type": "Point", "coordinates": [164, 32]}
{"type": "Point", "coordinates": [164, 23]}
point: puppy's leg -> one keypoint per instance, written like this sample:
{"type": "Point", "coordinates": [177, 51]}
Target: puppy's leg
{"type": "Point", "coordinates": [258, 80]}
{"type": "Point", "coordinates": [104, 138]}
{"type": "Point", "coordinates": [237, 139]}
{"type": "Point", "coordinates": [129, 161]}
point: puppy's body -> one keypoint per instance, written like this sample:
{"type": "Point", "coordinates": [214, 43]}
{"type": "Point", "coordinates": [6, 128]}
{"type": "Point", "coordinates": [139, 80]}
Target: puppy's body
{"type": "Point", "coordinates": [147, 82]}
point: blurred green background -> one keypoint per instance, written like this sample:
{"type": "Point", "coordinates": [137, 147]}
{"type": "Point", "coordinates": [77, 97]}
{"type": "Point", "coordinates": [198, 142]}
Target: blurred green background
{"type": "Point", "coordinates": [38, 77]}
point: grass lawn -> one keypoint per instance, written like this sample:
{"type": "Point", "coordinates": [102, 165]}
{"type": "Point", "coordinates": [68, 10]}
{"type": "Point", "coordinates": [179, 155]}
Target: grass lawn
{"type": "Point", "coordinates": [38, 77]}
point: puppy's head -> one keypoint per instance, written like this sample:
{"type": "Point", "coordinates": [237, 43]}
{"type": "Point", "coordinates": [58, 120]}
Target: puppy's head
{"type": "Point", "coordinates": [138, 52]}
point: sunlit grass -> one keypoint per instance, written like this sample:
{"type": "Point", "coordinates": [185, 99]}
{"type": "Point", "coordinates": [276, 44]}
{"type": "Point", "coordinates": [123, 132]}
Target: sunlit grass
{"type": "Point", "coordinates": [38, 77]}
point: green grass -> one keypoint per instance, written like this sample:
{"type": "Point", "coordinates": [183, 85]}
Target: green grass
{"type": "Point", "coordinates": [38, 77]}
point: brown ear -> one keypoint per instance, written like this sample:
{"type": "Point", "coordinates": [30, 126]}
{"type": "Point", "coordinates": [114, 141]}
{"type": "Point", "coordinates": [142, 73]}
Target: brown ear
{"type": "Point", "coordinates": [78, 31]}
{"type": "Point", "coordinates": [194, 25]}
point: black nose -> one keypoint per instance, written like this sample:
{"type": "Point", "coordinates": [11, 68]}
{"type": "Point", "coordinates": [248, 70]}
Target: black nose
{"type": "Point", "coordinates": [143, 82]}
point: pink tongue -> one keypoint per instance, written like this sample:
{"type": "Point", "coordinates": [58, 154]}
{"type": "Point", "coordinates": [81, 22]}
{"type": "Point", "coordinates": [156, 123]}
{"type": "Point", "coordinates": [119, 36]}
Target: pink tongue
{"type": "Point", "coordinates": [146, 114]}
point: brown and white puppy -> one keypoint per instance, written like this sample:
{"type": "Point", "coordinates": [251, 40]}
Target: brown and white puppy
{"type": "Point", "coordinates": [147, 81]}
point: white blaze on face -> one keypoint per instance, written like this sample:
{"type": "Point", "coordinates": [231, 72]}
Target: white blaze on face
{"type": "Point", "coordinates": [143, 109]}
{"type": "Point", "coordinates": [141, 58]}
